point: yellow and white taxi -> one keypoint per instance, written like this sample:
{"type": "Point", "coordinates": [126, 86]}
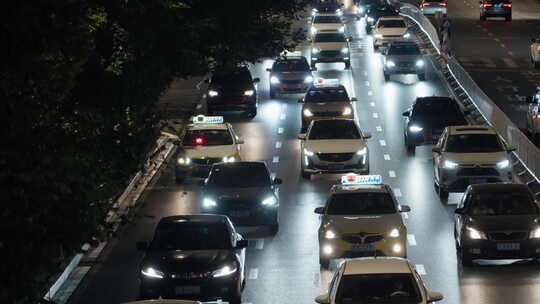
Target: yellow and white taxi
{"type": "Point", "coordinates": [361, 218]}
{"type": "Point", "coordinates": [206, 141]}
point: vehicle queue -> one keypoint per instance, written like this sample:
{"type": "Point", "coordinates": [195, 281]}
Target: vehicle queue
{"type": "Point", "coordinates": [202, 257]}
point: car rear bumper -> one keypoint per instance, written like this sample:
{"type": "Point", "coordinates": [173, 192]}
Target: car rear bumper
{"type": "Point", "coordinates": [433, 10]}
{"type": "Point", "coordinates": [299, 87]}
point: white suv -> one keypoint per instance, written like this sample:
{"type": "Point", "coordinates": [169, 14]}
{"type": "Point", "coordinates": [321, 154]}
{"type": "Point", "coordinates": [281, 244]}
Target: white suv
{"type": "Point", "coordinates": [389, 29]}
{"type": "Point", "coordinates": [326, 23]}
{"type": "Point", "coordinates": [470, 154]}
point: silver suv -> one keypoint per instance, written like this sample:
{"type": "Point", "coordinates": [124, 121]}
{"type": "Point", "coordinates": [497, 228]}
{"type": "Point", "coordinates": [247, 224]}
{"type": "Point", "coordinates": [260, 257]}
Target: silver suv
{"type": "Point", "coordinates": [404, 58]}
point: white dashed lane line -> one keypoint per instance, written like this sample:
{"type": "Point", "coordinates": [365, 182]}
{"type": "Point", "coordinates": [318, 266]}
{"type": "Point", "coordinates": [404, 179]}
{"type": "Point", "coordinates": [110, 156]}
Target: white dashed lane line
{"type": "Point", "coordinates": [369, 93]}
{"type": "Point", "coordinates": [420, 269]}
{"type": "Point", "coordinates": [280, 130]}
{"type": "Point", "coordinates": [375, 115]}
{"type": "Point", "coordinates": [253, 273]}
{"type": "Point", "coordinates": [372, 104]}
{"type": "Point", "coordinates": [275, 159]}
{"type": "Point", "coordinates": [282, 117]}
{"type": "Point", "coordinates": [259, 244]}
{"type": "Point", "coordinates": [382, 142]}
{"type": "Point", "coordinates": [386, 157]}
{"type": "Point", "coordinates": [411, 240]}
{"type": "Point", "coordinates": [397, 192]}
{"type": "Point", "coordinates": [378, 128]}
{"type": "Point", "coordinates": [392, 173]}
{"type": "Point", "coordinates": [278, 145]}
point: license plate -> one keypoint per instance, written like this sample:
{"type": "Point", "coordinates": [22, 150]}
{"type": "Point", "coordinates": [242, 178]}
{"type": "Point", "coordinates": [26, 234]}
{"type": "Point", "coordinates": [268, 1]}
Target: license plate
{"type": "Point", "coordinates": [335, 167]}
{"type": "Point", "coordinates": [362, 248]}
{"type": "Point", "coordinates": [498, 5]}
{"type": "Point", "coordinates": [435, 137]}
{"type": "Point", "coordinates": [477, 181]}
{"type": "Point", "coordinates": [507, 246]}
{"type": "Point", "coordinates": [184, 290]}
{"type": "Point", "coordinates": [239, 213]}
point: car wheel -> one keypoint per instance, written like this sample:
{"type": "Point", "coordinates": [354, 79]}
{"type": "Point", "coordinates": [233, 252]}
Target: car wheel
{"type": "Point", "coordinates": [274, 228]}
{"type": "Point", "coordinates": [347, 65]}
{"type": "Point", "coordinates": [306, 175]}
{"type": "Point", "coordinates": [422, 76]}
{"type": "Point", "coordinates": [482, 17]}
{"type": "Point", "coordinates": [325, 263]}
{"type": "Point", "coordinates": [465, 258]}
{"type": "Point", "coordinates": [272, 94]}
{"type": "Point", "coordinates": [443, 194]}
{"type": "Point", "coordinates": [251, 114]}
{"type": "Point", "coordinates": [411, 148]}
{"type": "Point", "coordinates": [386, 76]}
{"type": "Point", "coordinates": [508, 18]}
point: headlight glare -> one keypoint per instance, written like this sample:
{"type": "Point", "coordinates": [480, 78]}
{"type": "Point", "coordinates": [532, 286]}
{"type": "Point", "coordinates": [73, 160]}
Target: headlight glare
{"type": "Point", "coordinates": [269, 201]}
{"type": "Point", "coordinates": [274, 80]}
{"type": "Point", "coordinates": [390, 64]}
{"type": "Point", "coordinates": [415, 129]}
{"type": "Point", "coordinates": [224, 271]}
{"type": "Point", "coordinates": [407, 35]}
{"type": "Point", "coordinates": [370, 19]}
{"type": "Point", "coordinates": [394, 233]}
{"type": "Point", "coordinates": [420, 63]}
{"type": "Point", "coordinates": [347, 111]}
{"type": "Point", "coordinates": [535, 234]}
{"type": "Point", "coordinates": [307, 113]}
{"type": "Point", "coordinates": [345, 50]}
{"type": "Point", "coordinates": [229, 159]}
{"type": "Point", "coordinates": [315, 50]}
{"type": "Point", "coordinates": [450, 164]}
{"type": "Point", "coordinates": [329, 234]}
{"type": "Point", "coordinates": [184, 160]}
{"type": "Point", "coordinates": [209, 203]}
{"type": "Point", "coordinates": [213, 93]}
{"type": "Point", "coordinates": [341, 29]}
{"type": "Point", "coordinates": [362, 151]}
{"type": "Point", "coordinates": [151, 272]}
{"type": "Point", "coordinates": [249, 92]}
{"type": "Point", "coordinates": [308, 79]}
{"type": "Point", "coordinates": [503, 164]}
{"type": "Point", "coordinates": [475, 234]}
{"type": "Point", "coordinates": [313, 30]}
{"type": "Point", "coordinates": [308, 153]}
{"type": "Point", "coordinates": [378, 36]}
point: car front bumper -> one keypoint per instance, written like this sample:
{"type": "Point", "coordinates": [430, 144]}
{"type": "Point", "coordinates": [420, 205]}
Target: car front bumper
{"type": "Point", "coordinates": [488, 249]}
{"type": "Point", "coordinates": [405, 68]}
{"type": "Point", "coordinates": [242, 214]}
{"type": "Point", "coordinates": [452, 180]}
{"type": "Point", "coordinates": [307, 120]}
{"type": "Point", "coordinates": [385, 41]}
{"type": "Point", "coordinates": [357, 164]}
{"type": "Point", "coordinates": [341, 249]}
{"type": "Point", "coordinates": [316, 58]}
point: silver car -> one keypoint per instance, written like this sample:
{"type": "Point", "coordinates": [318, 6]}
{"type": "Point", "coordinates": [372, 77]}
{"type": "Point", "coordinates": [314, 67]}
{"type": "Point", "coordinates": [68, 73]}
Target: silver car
{"type": "Point", "coordinates": [404, 58]}
{"type": "Point", "coordinates": [430, 7]}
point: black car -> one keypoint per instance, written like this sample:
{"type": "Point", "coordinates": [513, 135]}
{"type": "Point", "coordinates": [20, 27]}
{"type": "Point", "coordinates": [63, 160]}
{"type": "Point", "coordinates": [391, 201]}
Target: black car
{"type": "Point", "coordinates": [364, 5]}
{"type": "Point", "coordinates": [426, 119]}
{"type": "Point", "coordinates": [232, 91]}
{"type": "Point", "coordinates": [198, 257]}
{"type": "Point", "coordinates": [245, 192]}
{"type": "Point", "coordinates": [290, 74]}
{"type": "Point", "coordinates": [326, 7]}
{"type": "Point", "coordinates": [497, 221]}
{"type": "Point", "coordinates": [495, 8]}
{"type": "Point", "coordinates": [375, 12]}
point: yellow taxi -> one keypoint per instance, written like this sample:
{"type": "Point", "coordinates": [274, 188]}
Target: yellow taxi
{"type": "Point", "coordinates": [207, 140]}
{"type": "Point", "coordinates": [361, 218]}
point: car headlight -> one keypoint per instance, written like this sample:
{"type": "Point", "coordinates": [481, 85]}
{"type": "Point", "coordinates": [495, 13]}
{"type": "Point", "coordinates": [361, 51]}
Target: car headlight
{"type": "Point", "coordinates": [307, 113]}
{"type": "Point", "coordinates": [341, 29]}
{"type": "Point", "coordinates": [347, 111]}
{"type": "Point", "coordinates": [213, 93]}
{"type": "Point", "coordinates": [503, 164]}
{"type": "Point", "coordinates": [339, 13]}
{"type": "Point", "coordinates": [209, 203]}
{"type": "Point", "coordinates": [475, 234]}
{"type": "Point", "coordinates": [407, 35]}
{"type": "Point", "coordinates": [224, 271]}
{"type": "Point", "coordinates": [329, 234]}
{"type": "Point", "coordinates": [184, 161]}
{"type": "Point", "coordinates": [360, 10]}
{"type": "Point", "coordinates": [274, 80]}
{"type": "Point", "coordinates": [229, 159]}
{"type": "Point", "coordinates": [308, 153]}
{"type": "Point", "coordinates": [362, 151]}
{"type": "Point", "coordinates": [535, 234]}
{"type": "Point", "coordinates": [419, 63]}
{"type": "Point", "coordinates": [315, 50]}
{"type": "Point", "coordinates": [378, 36]}
{"type": "Point", "coordinates": [308, 79]}
{"type": "Point", "coordinates": [390, 64]}
{"type": "Point", "coordinates": [450, 164]}
{"type": "Point", "coordinates": [249, 92]}
{"type": "Point", "coordinates": [269, 201]}
{"type": "Point", "coordinates": [313, 30]}
{"type": "Point", "coordinates": [151, 272]}
{"type": "Point", "coordinates": [370, 19]}
{"type": "Point", "coordinates": [415, 129]}
{"type": "Point", "coordinates": [394, 233]}
{"type": "Point", "coordinates": [345, 50]}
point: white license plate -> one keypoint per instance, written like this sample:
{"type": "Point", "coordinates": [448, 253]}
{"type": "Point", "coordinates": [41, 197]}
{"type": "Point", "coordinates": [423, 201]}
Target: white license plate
{"type": "Point", "coordinates": [507, 246]}
{"type": "Point", "coordinates": [184, 290]}
{"type": "Point", "coordinates": [477, 181]}
{"type": "Point", "coordinates": [239, 213]}
{"type": "Point", "coordinates": [362, 248]}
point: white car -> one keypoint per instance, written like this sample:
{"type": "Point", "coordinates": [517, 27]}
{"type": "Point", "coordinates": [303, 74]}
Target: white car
{"type": "Point", "coordinates": [430, 7]}
{"type": "Point", "coordinates": [334, 146]}
{"type": "Point", "coordinates": [470, 154]}
{"type": "Point", "coordinates": [377, 280]}
{"type": "Point", "coordinates": [330, 47]}
{"type": "Point", "coordinates": [326, 23]}
{"type": "Point", "coordinates": [389, 29]}
{"type": "Point", "coordinates": [535, 52]}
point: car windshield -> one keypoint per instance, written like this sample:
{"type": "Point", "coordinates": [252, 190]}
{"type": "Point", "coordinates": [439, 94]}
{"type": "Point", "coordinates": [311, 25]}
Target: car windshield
{"type": "Point", "coordinates": [334, 129]}
{"type": "Point", "coordinates": [240, 78]}
{"type": "Point", "coordinates": [191, 236]}
{"type": "Point", "coordinates": [502, 203]}
{"type": "Point", "coordinates": [207, 138]}
{"type": "Point", "coordinates": [404, 50]}
{"type": "Point", "coordinates": [326, 19]}
{"type": "Point", "coordinates": [391, 23]}
{"type": "Point", "coordinates": [327, 95]}
{"type": "Point", "coordinates": [437, 113]}
{"type": "Point", "coordinates": [378, 288]}
{"type": "Point", "coordinates": [290, 65]}
{"type": "Point", "coordinates": [330, 37]}
{"type": "Point", "coordinates": [473, 143]}
{"type": "Point", "coordinates": [362, 203]}
{"type": "Point", "coordinates": [240, 176]}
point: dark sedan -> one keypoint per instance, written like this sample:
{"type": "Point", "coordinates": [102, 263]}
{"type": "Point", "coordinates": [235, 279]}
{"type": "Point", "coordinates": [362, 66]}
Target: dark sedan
{"type": "Point", "coordinates": [375, 12]}
{"type": "Point", "coordinates": [198, 257]}
{"type": "Point", "coordinates": [497, 221]}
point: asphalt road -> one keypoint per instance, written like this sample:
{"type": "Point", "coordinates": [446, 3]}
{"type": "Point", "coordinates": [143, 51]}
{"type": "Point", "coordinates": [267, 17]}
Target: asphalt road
{"type": "Point", "coordinates": [284, 268]}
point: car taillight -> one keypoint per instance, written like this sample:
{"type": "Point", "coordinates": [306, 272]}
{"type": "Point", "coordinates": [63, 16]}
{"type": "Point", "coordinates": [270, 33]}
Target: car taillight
{"type": "Point", "coordinates": [488, 5]}
{"type": "Point", "coordinates": [538, 48]}
{"type": "Point", "coordinates": [537, 116]}
{"type": "Point", "coordinates": [199, 141]}
{"type": "Point", "coordinates": [443, 4]}
{"type": "Point", "coordinates": [507, 5]}
{"type": "Point", "coordinates": [425, 4]}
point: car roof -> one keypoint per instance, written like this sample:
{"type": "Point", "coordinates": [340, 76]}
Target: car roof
{"type": "Point", "coordinates": [499, 187]}
{"type": "Point", "coordinates": [471, 129]}
{"type": "Point", "coordinates": [352, 188]}
{"type": "Point", "coordinates": [204, 126]}
{"type": "Point", "coordinates": [376, 265]}
{"type": "Point", "coordinates": [194, 218]}
{"type": "Point", "coordinates": [391, 18]}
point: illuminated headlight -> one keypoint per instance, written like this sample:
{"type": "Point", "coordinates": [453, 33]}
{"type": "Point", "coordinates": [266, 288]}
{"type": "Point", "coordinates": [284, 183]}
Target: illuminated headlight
{"type": "Point", "coordinates": [307, 113]}
{"type": "Point", "coordinates": [390, 64]}
{"type": "Point", "coordinates": [450, 164]}
{"type": "Point", "coordinates": [315, 50]}
{"type": "Point", "coordinates": [345, 50]}
{"type": "Point", "coordinates": [151, 272]}
{"type": "Point", "coordinates": [347, 111]}
{"type": "Point", "coordinates": [360, 10]}
{"type": "Point", "coordinates": [396, 248]}
{"type": "Point", "coordinates": [406, 35]}
{"type": "Point", "coordinates": [535, 234]}
{"type": "Point", "coordinates": [213, 93]}
{"type": "Point", "coordinates": [274, 80]}
{"type": "Point", "coordinates": [313, 30]}
{"type": "Point", "coordinates": [341, 29]}
{"type": "Point", "coordinates": [308, 153]}
{"type": "Point", "coordinates": [394, 233]}
{"type": "Point", "coordinates": [184, 160]}
{"type": "Point", "coordinates": [475, 234]}
{"type": "Point", "coordinates": [249, 92]}
{"type": "Point", "coordinates": [308, 79]}
{"type": "Point", "coordinates": [420, 63]}
{"type": "Point", "coordinates": [378, 36]}
{"type": "Point", "coordinates": [370, 19]}
{"type": "Point", "coordinates": [224, 271]}
{"type": "Point", "coordinates": [209, 203]}
{"type": "Point", "coordinates": [362, 151]}
{"type": "Point", "coordinates": [415, 129]}
{"type": "Point", "coordinates": [339, 12]}
{"type": "Point", "coordinates": [229, 159]}
{"type": "Point", "coordinates": [503, 164]}
{"type": "Point", "coordinates": [269, 201]}
{"type": "Point", "coordinates": [329, 234]}
{"type": "Point", "coordinates": [327, 249]}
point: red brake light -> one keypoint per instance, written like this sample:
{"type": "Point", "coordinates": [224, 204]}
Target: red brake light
{"type": "Point", "coordinates": [507, 5]}
{"type": "Point", "coordinates": [537, 116]}
{"type": "Point", "coordinates": [538, 48]}
{"type": "Point", "coordinates": [425, 4]}
{"type": "Point", "coordinates": [443, 4]}
{"type": "Point", "coordinates": [488, 5]}
{"type": "Point", "coordinates": [199, 141]}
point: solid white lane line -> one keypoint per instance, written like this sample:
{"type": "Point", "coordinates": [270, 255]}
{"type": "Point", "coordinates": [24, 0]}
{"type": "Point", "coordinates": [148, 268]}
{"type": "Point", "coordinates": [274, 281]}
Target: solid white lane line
{"type": "Point", "coordinates": [386, 156]}
{"type": "Point", "coordinates": [378, 128]}
{"type": "Point", "coordinates": [411, 240]}
{"type": "Point", "coordinates": [405, 215]}
{"type": "Point", "coordinates": [278, 144]}
{"type": "Point", "coordinates": [420, 269]}
{"type": "Point", "coordinates": [259, 244]}
{"type": "Point", "coordinates": [367, 83]}
{"type": "Point", "coordinates": [253, 274]}
{"type": "Point", "coordinates": [375, 115]}
{"type": "Point", "coordinates": [397, 192]}
{"type": "Point", "coordinates": [382, 142]}
{"type": "Point", "coordinates": [283, 115]}
{"type": "Point", "coordinates": [280, 130]}
{"type": "Point", "coordinates": [392, 173]}
{"type": "Point", "coordinates": [275, 159]}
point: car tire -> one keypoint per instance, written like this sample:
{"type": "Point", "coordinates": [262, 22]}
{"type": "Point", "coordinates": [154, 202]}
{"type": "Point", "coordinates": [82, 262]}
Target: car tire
{"type": "Point", "coordinates": [411, 148]}
{"type": "Point", "coordinates": [386, 76]}
{"type": "Point", "coordinates": [274, 228]}
{"type": "Point", "coordinates": [313, 65]}
{"type": "Point", "coordinates": [422, 76]}
{"type": "Point", "coordinates": [251, 114]}
{"type": "Point", "coordinates": [508, 17]}
{"type": "Point", "coordinates": [272, 94]}
{"type": "Point", "coordinates": [236, 298]}
{"type": "Point", "coordinates": [482, 17]}
{"type": "Point", "coordinates": [536, 64]}
{"type": "Point", "coordinates": [325, 263]}
{"type": "Point", "coordinates": [465, 258]}
{"type": "Point", "coordinates": [306, 175]}
{"type": "Point", "coordinates": [443, 194]}
{"type": "Point", "coordinates": [347, 65]}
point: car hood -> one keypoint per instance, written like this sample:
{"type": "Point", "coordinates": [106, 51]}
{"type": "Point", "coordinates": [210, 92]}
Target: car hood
{"type": "Point", "coordinates": [327, 26]}
{"type": "Point", "coordinates": [330, 46]}
{"type": "Point", "coordinates": [391, 31]}
{"type": "Point", "coordinates": [503, 222]}
{"type": "Point", "coordinates": [438, 122]}
{"type": "Point", "coordinates": [210, 151]}
{"type": "Point", "coordinates": [188, 260]}
{"type": "Point", "coordinates": [326, 106]}
{"type": "Point", "coordinates": [240, 194]}
{"type": "Point", "coordinates": [367, 223]}
{"type": "Point", "coordinates": [476, 158]}
{"type": "Point", "coordinates": [292, 75]}
{"type": "Point", "coordinates": [334, 145]}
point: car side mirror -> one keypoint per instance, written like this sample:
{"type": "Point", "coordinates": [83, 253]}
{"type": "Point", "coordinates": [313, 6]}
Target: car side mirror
{"type": "Point", "coordinates": [302, 136]}
{"type": "Point", "coordinates": [367, 135]}
{"type": "Point", "coordinates": [141, 246]}
{"type": "Point", "coordinates": [319, 210]}
{"type": "Point", "coordinates": [301, 100]}
{"type": "Point", "coordinates": [510, 149]}
{"type": "Point", "coordinates": [406, 113]}
{"type": "Point", "coordinates": [269, 70]}
{"type": "Point", "coordinates": [277, 181]}
{"type": "Point", "coordinates": [436, 150]}
{"type": "Point", "coordinates": [434, 296]}
{"type": "Point", "coordinates": [354, 99]}
{"type": "Point", "coordinates": [256, 80]}
{"type": "Point", "coordinates": [323, 299]}
{"type": "Point", "coordinates": [404, 208]}
{"type": "Point", "coordinates": [241, 244]}
{"type": "Point", "coordinates": [458, 211]}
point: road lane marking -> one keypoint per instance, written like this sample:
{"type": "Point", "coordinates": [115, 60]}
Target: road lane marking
{"type": "Point", "coordinates": [411, 240]}
{"type": "Point", "coordinates": [511, 63]}
{"type": "Point", "coordinates": [283, 115]}
{"type": "Point", "coordinates": [386, 157]}
{"type": "Point", "coordinates": [405, 215]}
{"type": "Point", "coordinates": [378, 128]}
{"type": "Point", "coordinates": [397, 192]}
{"type": "Point", "coordinates": [382, 142]}
{"type": "Point", "coordinates": [275, 159]}
{"type": "Point", "coordinates": [280, 130]}
{"type": "Point", "coordinates": [367, 83]}
{"type": "Point", "coordinates": [372, 104]}
{"type": "Point", "coordinates": [375, 115]}
{"type": "Point", "coordinates": [278, 145]}
{"type": "Point", "coordinates": [392, 173]}
{"type": "Point", "coordinates": [259, 244]}
{"type": "Point", "coordinates": [369, 93]}
{"type": "Point", "coordinates": [253, 273]}
{"type": "Point", "coordinates": [420, 269]}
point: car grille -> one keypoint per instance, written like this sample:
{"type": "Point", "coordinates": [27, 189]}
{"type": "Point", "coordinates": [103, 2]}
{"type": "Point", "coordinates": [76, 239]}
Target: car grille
{"type": "Point", "coordinates": [329, 54]}
{"type": "Point", "coordinates": [507, 236]}
{"type": "Point", "coordinates": [362, 238]}
{"type": "Point", "coordinates": [335, 157]}
{"type": "Point", "coordinates": [292, 81]}
{"type": "Point", "coordinates": [477, 171]}
{"type": "Point", "coordinates": [206, 161]}
{"type": "Point", "coordinates": [404, 64]}
{"type": "Point", "coordinates": [327, 114]}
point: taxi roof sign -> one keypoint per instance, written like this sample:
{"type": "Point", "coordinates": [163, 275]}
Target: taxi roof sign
{"type": "Point", "coordinates": [355, 179]}
{"type": "Point", "coordinates": [201, 119]}
{"type": "Point", "coordinates": [322, 82]}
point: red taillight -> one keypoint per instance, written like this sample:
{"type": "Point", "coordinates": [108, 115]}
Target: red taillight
{"type": "Point", "coordinates": [507, 5]}
{"type": "Point", "coordinates": [443, 4]}
{"type": "Point", "coordinates": [538, 48]}
{"type": "Point", "coordinates": [537, 116]}
{"type": "Point", "coordinates": [488, 5]}
{"type": "Point", "coordinates": [425, 4]}
{"type": "Point", "coordinates": [199, 141]}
